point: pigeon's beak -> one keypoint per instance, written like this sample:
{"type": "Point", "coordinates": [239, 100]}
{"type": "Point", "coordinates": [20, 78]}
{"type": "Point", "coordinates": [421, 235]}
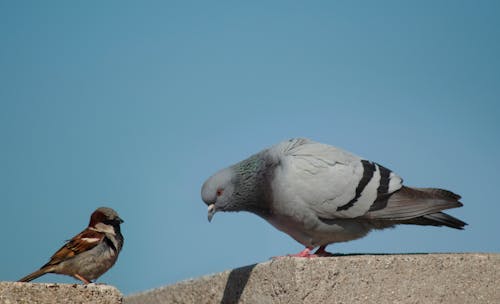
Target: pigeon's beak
{"type": "Point", "coordinates": [211, 211]}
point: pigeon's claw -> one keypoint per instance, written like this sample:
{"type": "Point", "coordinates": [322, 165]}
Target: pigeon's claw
{"type": "Point", "coordinates": [306, 253]}
{"type": "Point", "coordinates": [321, 252]}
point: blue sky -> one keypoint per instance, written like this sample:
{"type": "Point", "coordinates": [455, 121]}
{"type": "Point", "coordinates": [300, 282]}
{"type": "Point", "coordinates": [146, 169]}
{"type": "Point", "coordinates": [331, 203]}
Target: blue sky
{"type": "Point", "coordinates": [133, 105]}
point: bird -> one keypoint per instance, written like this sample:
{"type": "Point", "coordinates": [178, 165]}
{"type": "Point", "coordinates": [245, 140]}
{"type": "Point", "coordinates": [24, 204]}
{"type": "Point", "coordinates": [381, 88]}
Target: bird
{"type": "Point", "coordinates": [90, 253]}
{"type": "Point", "coordinates": [320, 194]}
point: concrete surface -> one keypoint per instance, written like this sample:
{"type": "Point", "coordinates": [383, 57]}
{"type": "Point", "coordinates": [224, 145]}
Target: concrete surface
{"type": "Point", "coordinates": [409, 278]}
{"type": "Point", "coordinates": [33, 293]}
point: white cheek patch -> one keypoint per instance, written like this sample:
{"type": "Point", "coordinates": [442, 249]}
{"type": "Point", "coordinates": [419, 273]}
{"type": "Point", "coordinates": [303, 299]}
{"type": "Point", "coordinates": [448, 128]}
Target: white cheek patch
{"type": "Point", "coordinates": [101, 227]}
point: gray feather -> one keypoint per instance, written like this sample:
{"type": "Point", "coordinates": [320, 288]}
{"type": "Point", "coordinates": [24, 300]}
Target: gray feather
{"type": "Point", "coordinates": [409, 203]}
{"type": "Point", "coordinates": [319, 194]}
{"type": "Point", "coordinates": [437, 219]}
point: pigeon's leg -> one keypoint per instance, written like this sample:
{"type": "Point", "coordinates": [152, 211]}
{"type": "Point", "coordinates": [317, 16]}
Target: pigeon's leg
{"type": "Point", "coordinates": [321, 252]}
{"type": "Point", "coordinates": [306, 253]}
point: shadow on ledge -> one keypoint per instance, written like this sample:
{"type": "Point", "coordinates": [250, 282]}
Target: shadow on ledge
{"type": "Point", "coordinates": [238, 278]}
{"type": "Point", "coordinates": [236, 283]}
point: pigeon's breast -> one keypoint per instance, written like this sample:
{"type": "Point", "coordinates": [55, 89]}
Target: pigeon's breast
{"type": "Point", "coordinates": [292, 227]}
{"type": "Point", "coordinates": [292, 212]}
{"type": "Point", "coordinates": [317, 232]}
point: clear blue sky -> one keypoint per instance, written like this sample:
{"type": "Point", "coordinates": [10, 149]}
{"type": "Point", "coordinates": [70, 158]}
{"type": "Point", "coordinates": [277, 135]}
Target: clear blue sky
{"type": "Point", "coordinates": [134, 105]}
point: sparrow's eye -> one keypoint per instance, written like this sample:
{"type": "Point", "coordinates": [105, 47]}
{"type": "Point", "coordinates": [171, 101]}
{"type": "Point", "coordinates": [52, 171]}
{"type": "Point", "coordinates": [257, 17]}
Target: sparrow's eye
{"type": "Point", "coordinates": [219, 192]}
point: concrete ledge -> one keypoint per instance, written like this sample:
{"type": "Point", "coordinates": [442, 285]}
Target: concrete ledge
{"type": "Point", "coordinates": [409, 278]}
{"type": "Point", "coordinates": [15, 292]}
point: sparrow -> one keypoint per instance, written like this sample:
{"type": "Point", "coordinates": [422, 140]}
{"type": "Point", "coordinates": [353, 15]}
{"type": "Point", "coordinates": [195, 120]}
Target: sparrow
{"type": "Point", "coordinates": [90, 253]}
{"type": "Point", "coordinates": [319, 195]}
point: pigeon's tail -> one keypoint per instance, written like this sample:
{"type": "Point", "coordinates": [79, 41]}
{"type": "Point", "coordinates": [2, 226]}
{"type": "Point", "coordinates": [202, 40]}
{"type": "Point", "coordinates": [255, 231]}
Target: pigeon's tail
{"type": "Point", "coordinates": [34, 275]}
{"type": "Point", "coordinates": [437, 219]}
{"type": "Point", "coordinates": [418, 206]}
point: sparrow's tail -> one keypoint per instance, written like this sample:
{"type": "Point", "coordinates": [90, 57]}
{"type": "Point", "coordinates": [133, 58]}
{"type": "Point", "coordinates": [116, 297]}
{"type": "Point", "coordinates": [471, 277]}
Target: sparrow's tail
{"type": "Point", "coordinates": [417, 206]}
{"type": "Point", "coordinates": [34, 275]}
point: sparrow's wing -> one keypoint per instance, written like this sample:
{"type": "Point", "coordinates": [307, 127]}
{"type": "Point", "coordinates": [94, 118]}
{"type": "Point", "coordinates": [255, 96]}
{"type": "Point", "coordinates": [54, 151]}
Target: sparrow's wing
{"type": "Point", "coordinates": [84, 241]}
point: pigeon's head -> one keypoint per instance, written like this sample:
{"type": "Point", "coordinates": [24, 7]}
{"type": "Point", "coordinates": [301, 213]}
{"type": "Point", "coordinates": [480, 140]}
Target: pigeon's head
{"type": "Point", "coordinates": [217, 192]}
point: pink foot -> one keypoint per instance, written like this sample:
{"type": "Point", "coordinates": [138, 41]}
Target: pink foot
{"type": "Point", "coordinates": [306, 253]}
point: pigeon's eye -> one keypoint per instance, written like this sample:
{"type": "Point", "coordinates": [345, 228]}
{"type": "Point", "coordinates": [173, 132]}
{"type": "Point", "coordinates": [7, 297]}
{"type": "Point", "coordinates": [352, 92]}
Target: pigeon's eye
{"type": "Point", "coordinates": [219, 192]}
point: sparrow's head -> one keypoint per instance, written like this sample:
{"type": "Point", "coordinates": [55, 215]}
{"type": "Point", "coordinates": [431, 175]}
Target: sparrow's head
{"type": "Point", "coordinates": [217, 192]}
{"type": "Point", "coordinates": [105, 219]}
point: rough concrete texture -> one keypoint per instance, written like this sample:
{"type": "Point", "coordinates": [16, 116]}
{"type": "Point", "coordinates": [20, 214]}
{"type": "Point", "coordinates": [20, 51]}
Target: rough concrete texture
{"type": "Point", "coordinates": [32, 293]}
{"type": "Point", "coordinates": [409, 278]}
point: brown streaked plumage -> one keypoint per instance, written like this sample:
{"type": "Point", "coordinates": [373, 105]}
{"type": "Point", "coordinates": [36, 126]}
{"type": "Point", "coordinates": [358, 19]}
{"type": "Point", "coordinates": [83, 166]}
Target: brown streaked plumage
{"type": "Point", "coordinates": [90, 253]}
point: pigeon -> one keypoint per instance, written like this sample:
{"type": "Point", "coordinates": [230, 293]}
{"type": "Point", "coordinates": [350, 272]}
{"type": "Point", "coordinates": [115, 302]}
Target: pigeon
{"type": "Point", "coordinates": [319, 194]}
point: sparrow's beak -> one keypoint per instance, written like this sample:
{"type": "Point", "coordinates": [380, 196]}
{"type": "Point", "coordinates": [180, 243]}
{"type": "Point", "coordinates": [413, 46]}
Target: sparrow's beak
{"type": "Point", "coordinates": [120, 220]}
{"type": "Point", "coordinates": [211, 211]}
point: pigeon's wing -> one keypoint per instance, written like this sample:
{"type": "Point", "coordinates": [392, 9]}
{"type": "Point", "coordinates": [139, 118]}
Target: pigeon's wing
{"type": "Point", "coordinates": [332, 182]}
